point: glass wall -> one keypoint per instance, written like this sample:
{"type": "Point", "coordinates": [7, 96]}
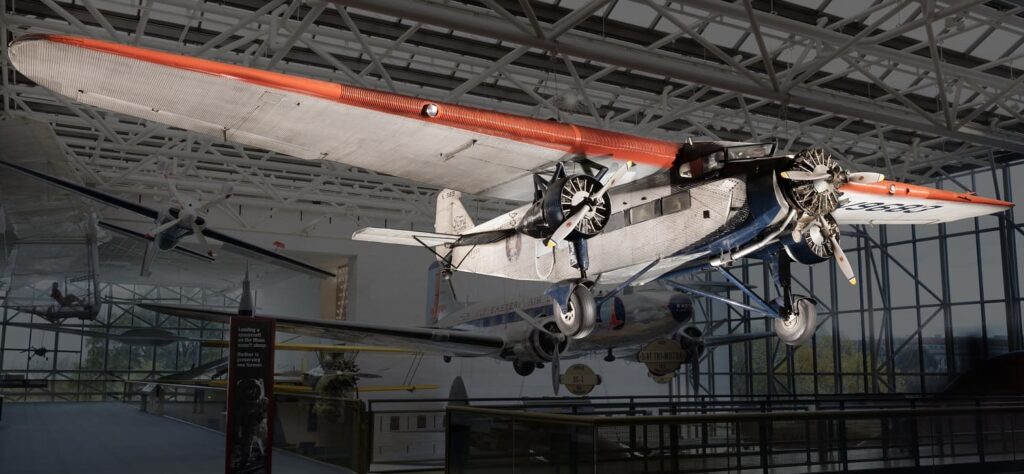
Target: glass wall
{"type": "Point", "coordinates": [933, 301]}
{"type": "Point", "coordinates": [41, 365]}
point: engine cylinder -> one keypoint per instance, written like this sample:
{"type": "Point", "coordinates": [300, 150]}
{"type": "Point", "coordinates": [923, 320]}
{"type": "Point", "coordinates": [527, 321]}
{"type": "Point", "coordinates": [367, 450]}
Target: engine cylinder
{"type": "Point", "coordinates": [558, 202]}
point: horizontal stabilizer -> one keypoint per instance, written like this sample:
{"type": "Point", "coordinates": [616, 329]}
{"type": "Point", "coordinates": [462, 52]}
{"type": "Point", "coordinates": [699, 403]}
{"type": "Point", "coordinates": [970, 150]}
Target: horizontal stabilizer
{"type": "Point", "coordinates": [403, 237]}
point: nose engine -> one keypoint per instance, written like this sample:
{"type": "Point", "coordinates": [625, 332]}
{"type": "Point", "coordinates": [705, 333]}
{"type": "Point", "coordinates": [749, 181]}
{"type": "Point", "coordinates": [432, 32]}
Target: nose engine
{"type": "Point", "coordinates": [811, 184]}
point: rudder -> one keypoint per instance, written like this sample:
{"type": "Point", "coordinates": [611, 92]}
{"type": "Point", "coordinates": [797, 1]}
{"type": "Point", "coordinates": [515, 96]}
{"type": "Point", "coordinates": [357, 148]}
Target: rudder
{"type": "Point", "coordinates": [451, 216]}
{"type": "Point", "coordinates": [440, 298]}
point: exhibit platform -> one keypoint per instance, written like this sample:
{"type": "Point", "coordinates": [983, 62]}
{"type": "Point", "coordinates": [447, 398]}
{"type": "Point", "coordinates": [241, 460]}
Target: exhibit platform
{"type": "Point", "coordinates": [113, 438]}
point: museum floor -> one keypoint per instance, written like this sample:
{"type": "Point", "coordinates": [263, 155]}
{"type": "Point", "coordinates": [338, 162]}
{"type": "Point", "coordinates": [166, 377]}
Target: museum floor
{"type": "Point", "coordinates": [112, 438]}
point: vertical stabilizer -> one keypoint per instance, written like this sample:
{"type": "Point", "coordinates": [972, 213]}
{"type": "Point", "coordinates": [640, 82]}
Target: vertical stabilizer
{"type": "Point", "coordinates": [451, 217]}
{"type": "Point", "coordinates": [440, 297]}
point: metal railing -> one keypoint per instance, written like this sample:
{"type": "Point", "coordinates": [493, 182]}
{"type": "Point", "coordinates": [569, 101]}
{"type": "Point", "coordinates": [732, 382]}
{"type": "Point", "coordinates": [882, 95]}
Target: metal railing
{"type": "Point", "coordinates": [848, 437]}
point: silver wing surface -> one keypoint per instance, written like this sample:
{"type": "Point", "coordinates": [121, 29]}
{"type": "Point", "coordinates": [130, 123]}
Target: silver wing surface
{"type": "Point", "coordinates": [429, 340]}
{"type": "Point", "coordinates": [444, 145]}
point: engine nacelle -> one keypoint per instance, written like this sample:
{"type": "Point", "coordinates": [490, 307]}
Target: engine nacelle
{"type": "Point", "coordinates": [539, 347]}
{"type": "Point", "coordinates": [556, 204]}
{"type": "Point", "coordinates": [813, 246]}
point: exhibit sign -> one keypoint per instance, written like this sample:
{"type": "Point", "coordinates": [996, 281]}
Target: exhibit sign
{"type": "Point", "coordinates": [662, 356]}
{"type": "Point", "coordinates": [250, 396]}
{"type": "Point", "coordinates": [580, 379]}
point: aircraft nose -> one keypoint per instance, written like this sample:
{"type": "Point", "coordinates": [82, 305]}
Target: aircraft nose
{"type": "Point", "coordinates": [681, 308]}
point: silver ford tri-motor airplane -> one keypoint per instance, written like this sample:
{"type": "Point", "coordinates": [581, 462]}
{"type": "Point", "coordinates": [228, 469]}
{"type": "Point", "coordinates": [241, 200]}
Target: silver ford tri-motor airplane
{"type": "Point", "coordinates": [600, 206]}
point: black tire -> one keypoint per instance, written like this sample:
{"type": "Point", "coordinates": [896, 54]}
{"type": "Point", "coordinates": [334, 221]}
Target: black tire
{"type": "Point", "coordinates": [581, 318]}
{"type": "Point", "coordinates": [798, 327]}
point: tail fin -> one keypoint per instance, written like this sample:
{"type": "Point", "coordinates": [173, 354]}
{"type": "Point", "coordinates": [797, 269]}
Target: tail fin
{"type": "Point", "coordinates": [451, 217]}
{"type": "Point", "coordinates": [440, 298]}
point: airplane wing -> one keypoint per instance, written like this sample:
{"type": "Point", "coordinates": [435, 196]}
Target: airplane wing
{"type": "Point", "coordinates": [712, 341]}
{"type": "Point", "coordinates": [445, 145]}
{"type": "Point", "coordinates": [427, 340]}
{"type": "Point", "coordinates": [59, 328]}
{"type": "Point", "coordinates": [889, 202]}
{"type": "Point", "coordinates": [87, 191]}
{"type": "Point", "coordinates": [63, 329]}
{"type": "Point", "coordinates": [303, 347]}
{"type": "Point", "coordinates": [231, 244]}
{"type": "Point", "coordinates": [244, 248]}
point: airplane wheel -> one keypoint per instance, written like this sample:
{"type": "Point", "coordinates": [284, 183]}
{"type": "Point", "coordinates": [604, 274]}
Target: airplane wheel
{"type": "Point", "coordinates": [799, 326]}
{"type": "Point", "coordinates": [580, 319]}
{"type": "Point", "coordinates": [523, 368]}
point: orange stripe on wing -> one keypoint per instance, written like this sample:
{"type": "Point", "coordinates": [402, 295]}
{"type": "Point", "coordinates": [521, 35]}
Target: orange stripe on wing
{"type": "Point", "coordinates": [549, 134]}
{"type": "Point", "coordinates": [892, 188]}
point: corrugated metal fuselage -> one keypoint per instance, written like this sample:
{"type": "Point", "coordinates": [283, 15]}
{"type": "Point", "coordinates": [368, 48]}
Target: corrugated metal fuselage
{"type": "Point", "coordinates": [652, 219]}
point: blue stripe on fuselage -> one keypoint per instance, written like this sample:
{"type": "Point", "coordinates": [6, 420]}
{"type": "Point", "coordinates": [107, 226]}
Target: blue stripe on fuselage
{"type": "Point", "coordinates": [764, 207]}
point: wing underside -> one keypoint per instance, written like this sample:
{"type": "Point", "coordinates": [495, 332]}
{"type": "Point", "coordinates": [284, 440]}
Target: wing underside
{"type": "Point", "coordinates": [445, 145]}
{"type": "Point", "coordinates": [889, 202]}
{"type": "Point", "coordinates": [427, 340]}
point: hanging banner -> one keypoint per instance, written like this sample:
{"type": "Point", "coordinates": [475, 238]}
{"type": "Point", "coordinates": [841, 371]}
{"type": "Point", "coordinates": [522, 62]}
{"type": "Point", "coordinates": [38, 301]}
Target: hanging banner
{"type": "Point", "coordinates": [250, 396]}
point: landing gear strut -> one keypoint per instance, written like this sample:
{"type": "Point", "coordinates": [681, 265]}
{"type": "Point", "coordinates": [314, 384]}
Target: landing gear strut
{"type": "Point", "coordinates": [798, 316]}
{"type": "Point", "coordinates": [795, 315]}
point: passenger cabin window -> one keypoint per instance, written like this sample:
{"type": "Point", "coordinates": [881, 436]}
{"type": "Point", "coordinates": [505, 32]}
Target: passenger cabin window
{"type": "Point", "coordinates": [615, 222]}
{"type": "Point", "coordinates": [675, 203]}
{"type": "Point", "coordinates": [643, 212]}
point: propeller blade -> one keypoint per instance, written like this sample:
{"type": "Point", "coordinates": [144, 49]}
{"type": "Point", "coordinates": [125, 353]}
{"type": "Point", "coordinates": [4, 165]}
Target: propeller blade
{"type": "Point", "coordinates": [225, 194]}
{"type": "Point", "coordinates": [536, 324]}
{"type": "Point", "coordinates": [615, 178]}
{"type": "Point", "coordinates": [556, 369]}
{"type": "Point", "coordinates": [796, 175]}
{"type": "Point", "coordinates": [202, 239]}
{"type": "Point", "coordinates": [567, 227]}
{"type": "Point", "coordinates": [866, 177]}
{"type": "Point", "coordinates": [844, 263]}
{"type": "Point", "coordinates": [162, 227]}
{"type": "Point", "coordinates": [174, 190]}
{"type": "Point", "coordinates": [574, 219]}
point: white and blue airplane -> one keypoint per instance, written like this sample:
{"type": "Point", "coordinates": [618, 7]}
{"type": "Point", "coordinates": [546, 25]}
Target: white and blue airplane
{"type": "Point", "coordinates": [520, 331]}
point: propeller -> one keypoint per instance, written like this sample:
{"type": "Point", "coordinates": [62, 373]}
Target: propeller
{"type": "Point", "coordinates": [190, 212]}
{"type": "Point", "coordinates": [586, 206]}
{"type": "Point", "coordinates": [556, 370]}
{"type": "Point", "coordinates": [557, 339]}
{"type": "Point", "coordinates": [816, 178]}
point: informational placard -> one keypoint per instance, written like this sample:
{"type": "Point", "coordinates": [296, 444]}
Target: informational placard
{"type": "Point", "coordinates": [580, 379]}
{"type": "Point", "coordinates": [662, 356]}
{"type": "Point", "coordinates": [250, 396]}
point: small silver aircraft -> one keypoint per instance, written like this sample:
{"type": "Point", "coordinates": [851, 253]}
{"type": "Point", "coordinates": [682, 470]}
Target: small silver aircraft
{"type": "Point", "coordinates": [519, 331]}
{"type": "Point", "coordinates": [183, 217]}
